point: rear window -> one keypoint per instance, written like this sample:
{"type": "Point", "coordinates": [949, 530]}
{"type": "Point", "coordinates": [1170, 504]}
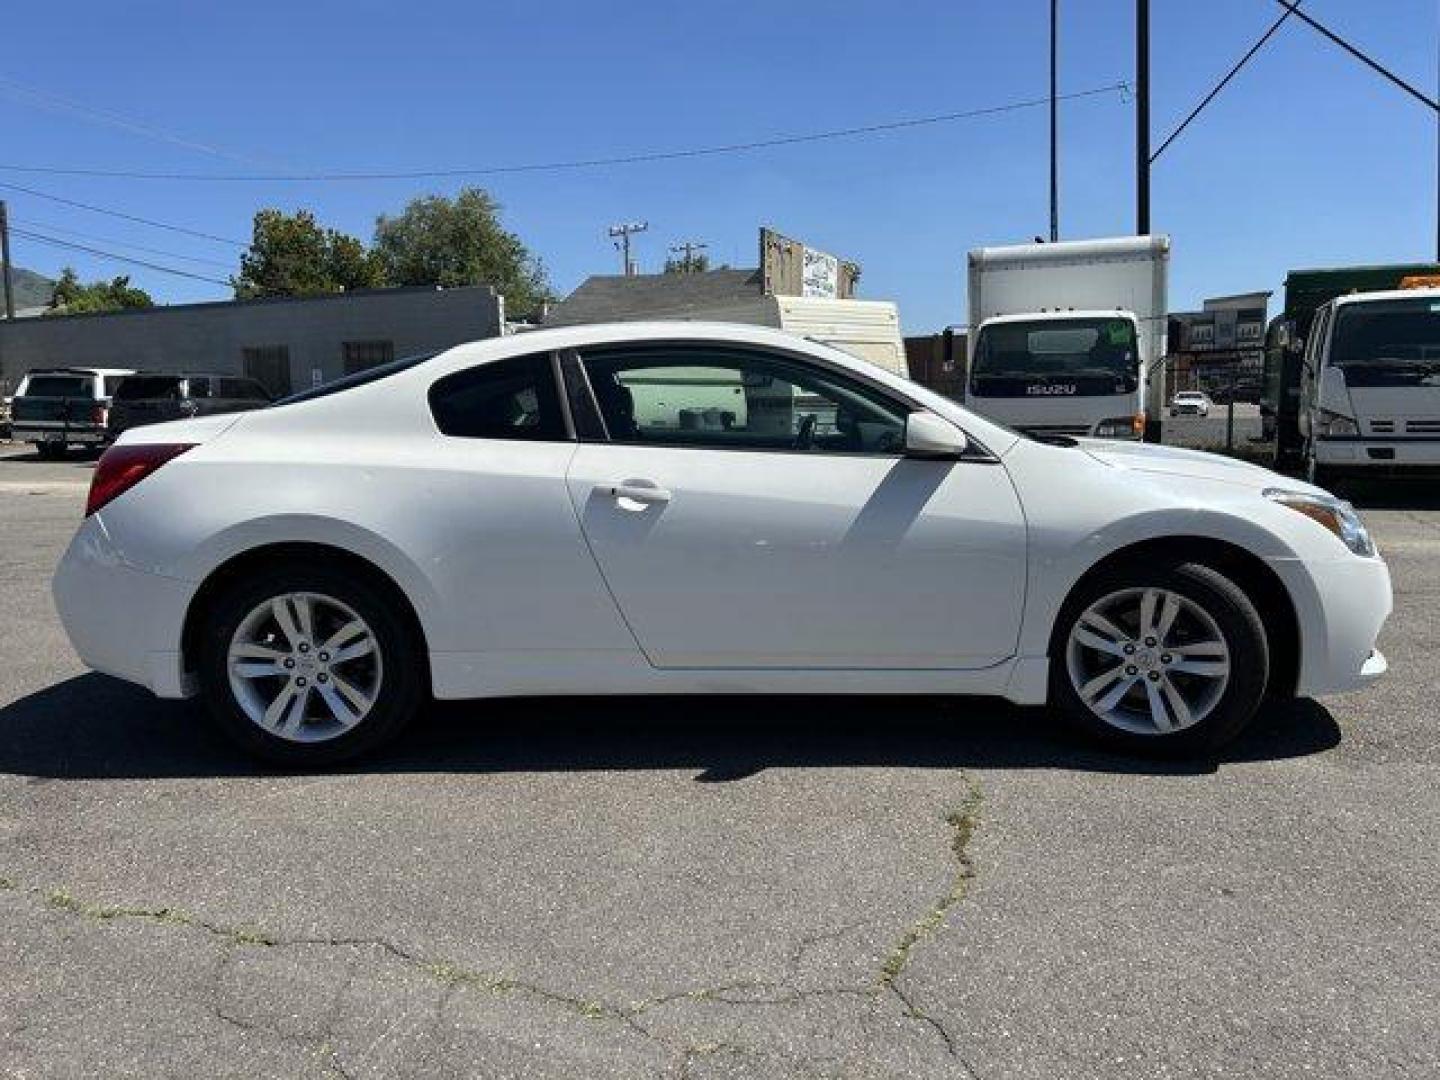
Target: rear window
{"type": "Point", "coordinates": [360, 378]}
{"type": "Point", "coordinates": [148, 388]}
{"type": "Point", "coordinates": [59, 386]}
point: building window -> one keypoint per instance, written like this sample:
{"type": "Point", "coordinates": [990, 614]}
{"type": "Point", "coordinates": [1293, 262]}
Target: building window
{"type": "Point", "coordinates": [364, 355]}
{"type": "Point", "coordinates": [269, 365]}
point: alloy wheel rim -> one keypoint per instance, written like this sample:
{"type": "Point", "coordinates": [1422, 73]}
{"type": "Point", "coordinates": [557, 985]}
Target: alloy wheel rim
{"type": "Point", "coordinates": [304, 667]}
{"type": "Point", "coordinates": [1148, 661]}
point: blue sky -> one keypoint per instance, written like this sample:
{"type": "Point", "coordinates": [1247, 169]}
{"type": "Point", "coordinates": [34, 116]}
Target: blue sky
{"type": "Point", "coordinates": [1306, 159]}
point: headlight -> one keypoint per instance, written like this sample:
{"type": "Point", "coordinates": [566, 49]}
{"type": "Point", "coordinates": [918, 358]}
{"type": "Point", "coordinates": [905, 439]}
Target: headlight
{"type": "Point", "coordinates": [1334, 514]}
{"type": "Point", "coordinates": [1334, 423]}
{"type": "Point", "coordinates": [1121, 427]}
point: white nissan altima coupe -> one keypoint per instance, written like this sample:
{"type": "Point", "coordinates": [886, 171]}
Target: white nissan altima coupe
{"type": "Point", "coordinates": [689, 508]}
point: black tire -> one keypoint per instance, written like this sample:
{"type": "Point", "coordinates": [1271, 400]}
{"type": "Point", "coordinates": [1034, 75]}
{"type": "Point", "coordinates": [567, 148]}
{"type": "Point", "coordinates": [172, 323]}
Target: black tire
{"type": "Point", "coordinates": [50, 451]}
{"type": "Point", "coordinates": [1239, 624]}
{"type": "Point", "coordinates": [403, 685]}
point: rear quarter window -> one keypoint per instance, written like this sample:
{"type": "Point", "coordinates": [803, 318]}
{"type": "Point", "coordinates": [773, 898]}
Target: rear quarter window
{"type": "Point", "coordinates": [514, 398]}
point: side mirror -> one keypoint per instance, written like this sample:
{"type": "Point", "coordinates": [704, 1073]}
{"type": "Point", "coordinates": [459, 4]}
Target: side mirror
{"type": "Point", "coordinates": [931, 436]}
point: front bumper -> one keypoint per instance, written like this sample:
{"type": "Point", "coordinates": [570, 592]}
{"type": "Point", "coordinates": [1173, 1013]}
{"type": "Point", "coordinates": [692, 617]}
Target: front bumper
{"type": "Point", "coordinates": [1376, 456]}
{"type": "Point", "coordinates": [1342, 604]}
{"type": "Point", "coordinates": [122, 620]}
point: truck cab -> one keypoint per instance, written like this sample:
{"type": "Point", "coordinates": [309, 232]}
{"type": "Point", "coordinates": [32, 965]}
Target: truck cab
{"type": "Point", "coordinates": [1370, 386]}
{"type": "Point", "coordinates": [1060, 373]}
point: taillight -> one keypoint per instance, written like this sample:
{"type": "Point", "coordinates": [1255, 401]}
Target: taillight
{"type": "Point", "coordinates": [122, 467]}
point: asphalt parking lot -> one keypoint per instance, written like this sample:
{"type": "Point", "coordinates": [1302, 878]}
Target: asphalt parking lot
{"type": "Point", "coordinates": [713, 889]}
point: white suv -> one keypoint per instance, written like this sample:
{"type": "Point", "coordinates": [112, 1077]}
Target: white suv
{"type": "Point", "coordinates": [1192, 402]}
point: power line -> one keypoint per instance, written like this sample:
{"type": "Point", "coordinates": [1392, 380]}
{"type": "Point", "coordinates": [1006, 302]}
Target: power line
{"type": "Point", "coordinates": [582, 163]}
{"type": "Point", "coordinates": [121, 214]}
{"type": "Point", "coordinates": [40, 238]}
{"type": "Point", "coordinates": [1215, 92]}
{"type": "Point", "coordinates": [1374, 65]}
{"type": "Point", "coordinates": [125, 244]}
{"type": "Point", "coordinates": [45, 99]}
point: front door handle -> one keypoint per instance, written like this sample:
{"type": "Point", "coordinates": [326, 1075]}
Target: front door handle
{"type": "Point", "coordinates": [640, 491]}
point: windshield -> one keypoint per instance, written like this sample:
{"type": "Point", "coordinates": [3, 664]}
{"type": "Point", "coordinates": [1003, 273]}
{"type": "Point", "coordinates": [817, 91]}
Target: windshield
{"type": "Point", "coordinates": [1082, 356]}
{"type": "Point", "coordinates": [1388, 342]}
{"type": "Point", "coordinates": [59, 386]}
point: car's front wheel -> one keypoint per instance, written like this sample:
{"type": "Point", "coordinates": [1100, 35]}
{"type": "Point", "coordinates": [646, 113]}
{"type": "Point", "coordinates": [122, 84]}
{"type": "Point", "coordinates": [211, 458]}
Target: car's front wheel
{"type": "Point", "coordinates": [1172, 658]}
{"type": "Point", "coordinates": [302, 664]}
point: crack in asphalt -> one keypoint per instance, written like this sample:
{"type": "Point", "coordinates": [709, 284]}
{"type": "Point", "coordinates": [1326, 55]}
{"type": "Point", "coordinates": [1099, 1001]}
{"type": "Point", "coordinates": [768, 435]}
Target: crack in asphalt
{"type": "Point", "coordinates": [963, 820]}
{"type": "Point", "coordinates": [454, 977]}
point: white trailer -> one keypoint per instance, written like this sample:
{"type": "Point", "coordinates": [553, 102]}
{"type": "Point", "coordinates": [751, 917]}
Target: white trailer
{"type": "Point", "coordinates": [1069, 338]}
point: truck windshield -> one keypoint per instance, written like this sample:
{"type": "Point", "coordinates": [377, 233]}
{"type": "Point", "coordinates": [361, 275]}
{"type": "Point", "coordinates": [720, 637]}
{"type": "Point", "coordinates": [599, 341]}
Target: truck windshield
{"type": "Point", "coordinates": [1388, 342]}
{"type": "Point", "coordinates": [1084, 356]}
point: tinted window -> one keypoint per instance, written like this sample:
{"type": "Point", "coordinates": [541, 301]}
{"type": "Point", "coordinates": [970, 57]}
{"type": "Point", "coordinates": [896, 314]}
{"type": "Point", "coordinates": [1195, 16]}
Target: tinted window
{"type": "Point", "coordinates": [701, 395]}
{"type": "Point", "coordinates": [242, 390]}
{"type": "Point", "coordinates": [509, 399]}
{"type": "Point", "coordinates": [60, 386]}
{"type": "Point", "coordinates": [148, 388]}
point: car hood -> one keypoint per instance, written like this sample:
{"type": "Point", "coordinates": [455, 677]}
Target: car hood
{"type": "Point", "coordinates": [1191, 464]}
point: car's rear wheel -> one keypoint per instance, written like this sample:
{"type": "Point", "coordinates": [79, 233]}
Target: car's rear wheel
{"type": "Point", "coordinates": [1171, 659]}
{"type": "Point", "coordinates": [305, 665]}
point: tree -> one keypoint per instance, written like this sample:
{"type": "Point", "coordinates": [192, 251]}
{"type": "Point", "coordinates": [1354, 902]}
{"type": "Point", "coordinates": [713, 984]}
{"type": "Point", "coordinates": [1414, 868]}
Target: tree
{"type": "Point", "coordinates": [72, 297]}
{"type": "Point", "coordinates": [460, 241]}
{"type": "Point", "coordinates": [291, 255]}
{"type": "Point", "coordinates": [694, 263]}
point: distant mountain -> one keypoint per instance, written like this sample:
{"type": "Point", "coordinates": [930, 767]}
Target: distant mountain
{"type": "Point", "coordinates": [31, 289]}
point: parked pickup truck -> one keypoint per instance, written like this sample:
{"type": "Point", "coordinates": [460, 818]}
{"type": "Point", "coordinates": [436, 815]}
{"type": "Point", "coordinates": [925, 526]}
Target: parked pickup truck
{"type": "Point", "coordinates": [62, 407]}
{"type": "Point", "coordinates": [153, 398]}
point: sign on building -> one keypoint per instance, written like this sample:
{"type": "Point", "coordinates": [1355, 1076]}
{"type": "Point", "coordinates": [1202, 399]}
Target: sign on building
{"type": "Point", "coordinates": [790, 268]}
{"type": "Point", "coordinates": [821, 275]}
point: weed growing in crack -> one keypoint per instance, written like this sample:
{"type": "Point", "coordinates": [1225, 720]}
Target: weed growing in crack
{"type": "Point", "coordinates": [962, 821]}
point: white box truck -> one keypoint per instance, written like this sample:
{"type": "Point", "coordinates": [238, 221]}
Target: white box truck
{"type": "Point", "coordinates": [1069, 338]}
{"type": "Point", "coordinates": [1370, 386]}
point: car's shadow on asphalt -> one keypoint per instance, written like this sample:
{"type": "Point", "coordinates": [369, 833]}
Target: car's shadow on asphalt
{"type": "Point", "coordinates": [94, 727]}
{"type": "Point", "coordinates": [1392, 494]}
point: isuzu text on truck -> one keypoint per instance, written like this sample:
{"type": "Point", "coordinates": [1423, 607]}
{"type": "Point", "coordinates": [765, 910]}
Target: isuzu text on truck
{"type": "Point", "coordinates": [1066, 338]}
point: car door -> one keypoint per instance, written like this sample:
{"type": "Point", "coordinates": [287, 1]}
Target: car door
{"type": "Point", "coordinates": [753, 509]}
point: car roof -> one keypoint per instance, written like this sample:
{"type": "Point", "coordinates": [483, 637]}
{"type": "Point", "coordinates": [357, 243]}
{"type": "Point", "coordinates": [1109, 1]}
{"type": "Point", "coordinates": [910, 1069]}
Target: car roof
{"type": "Point", "coordinates": [80, 371]}
{"type": "Point", "coordinates": [558, 339]}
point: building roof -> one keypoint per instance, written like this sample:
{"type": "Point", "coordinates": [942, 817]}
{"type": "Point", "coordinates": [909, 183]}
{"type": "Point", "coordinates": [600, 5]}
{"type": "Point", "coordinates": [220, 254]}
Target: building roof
{"type": "Point", "coordinates": [612, 297]}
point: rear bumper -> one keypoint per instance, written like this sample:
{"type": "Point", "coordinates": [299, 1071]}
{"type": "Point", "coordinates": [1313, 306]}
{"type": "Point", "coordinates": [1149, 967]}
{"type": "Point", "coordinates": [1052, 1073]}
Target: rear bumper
{"type": "Point", "coordinates": [38, 433]}
{"type": "Point", "coordinates": [122, 620]}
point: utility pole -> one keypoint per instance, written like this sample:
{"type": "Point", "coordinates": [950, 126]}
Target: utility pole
{"type": "Point", "coordinates": [1054, 125]}
{"type": "Point", "coordinates": [690, 248]}
{"type": "Point", "coordinates": [5, 261]}
{"type": "Point", "coordinates": [623, 231]}
{"type": "Point", "coordinates": [1142, 117]}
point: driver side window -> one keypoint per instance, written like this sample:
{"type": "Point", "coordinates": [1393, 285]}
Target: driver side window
{"type": "Point", "coordinates": [723, 399]}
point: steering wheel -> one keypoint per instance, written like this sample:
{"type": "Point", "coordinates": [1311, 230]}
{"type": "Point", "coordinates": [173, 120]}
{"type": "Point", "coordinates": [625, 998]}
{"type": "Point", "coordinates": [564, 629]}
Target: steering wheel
{"type": "Point", "coordinates": [805, 436]}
